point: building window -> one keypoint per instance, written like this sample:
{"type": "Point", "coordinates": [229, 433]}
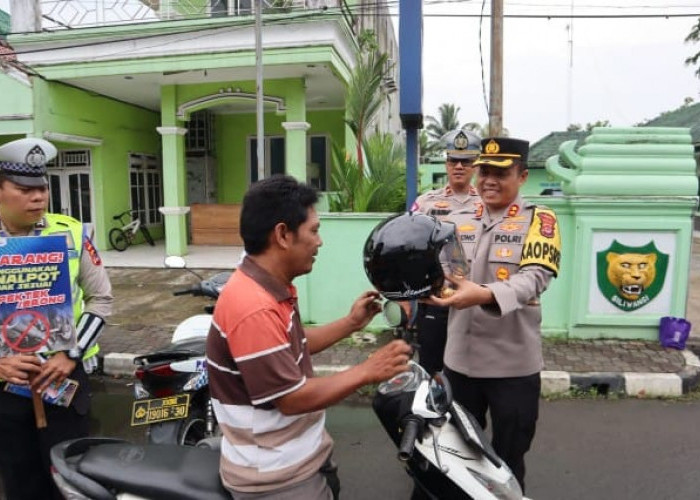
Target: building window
{"type": "Point", "coordinates": [146, 188]}
{"type": "Point", "coordinates": [317, 155]}
{"type": "Point", "coordinates": [69, 176]}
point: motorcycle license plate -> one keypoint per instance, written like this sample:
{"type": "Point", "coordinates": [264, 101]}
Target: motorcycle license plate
{"type": "Point", "coordinates": [149, 411]}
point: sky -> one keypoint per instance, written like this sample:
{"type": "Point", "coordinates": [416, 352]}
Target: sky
{"type": "Point", "coordinates": [559, 71]}
{"type": "Point", "coordinates": [622, 70]}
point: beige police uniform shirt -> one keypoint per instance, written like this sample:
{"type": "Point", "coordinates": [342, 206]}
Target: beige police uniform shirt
{"type": "Point", "coordinates": [440, 202]}
{"type": "Point", "coordinates": [515, 255]}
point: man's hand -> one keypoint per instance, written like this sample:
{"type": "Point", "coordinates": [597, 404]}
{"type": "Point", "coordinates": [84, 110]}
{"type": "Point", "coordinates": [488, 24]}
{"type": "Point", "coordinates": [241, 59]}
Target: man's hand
{"type": "Point", "coordinates": [56, 369]}
{"type": "Point", "coordinates": [466, 294]}
{"type": "Point", "coordinates": [18, 369]}
{"type": "Point", "coordinates": [388, 361]}
{"type": "Point", "coordinates": [364, 309]}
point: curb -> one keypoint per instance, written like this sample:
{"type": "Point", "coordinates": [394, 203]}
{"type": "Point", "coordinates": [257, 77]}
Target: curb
{"type": "Point", "coordinates": [553, 382]}
{"type": "Point", "coordinates": [633, 384]}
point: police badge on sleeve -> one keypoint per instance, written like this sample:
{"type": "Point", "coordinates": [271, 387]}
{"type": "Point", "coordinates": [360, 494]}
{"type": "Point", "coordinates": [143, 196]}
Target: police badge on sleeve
{"type": "Point", "coordinates": [543, 242]}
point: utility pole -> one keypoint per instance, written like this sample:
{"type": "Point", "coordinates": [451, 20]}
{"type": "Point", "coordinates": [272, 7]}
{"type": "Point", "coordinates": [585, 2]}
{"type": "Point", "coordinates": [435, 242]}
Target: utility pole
{"type": "Point", "coordinates": [496, 85]}
{"type": "Point", "coordinates": [260, 117]}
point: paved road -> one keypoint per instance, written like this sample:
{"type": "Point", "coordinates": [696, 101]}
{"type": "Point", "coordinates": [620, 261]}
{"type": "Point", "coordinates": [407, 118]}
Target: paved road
{"type": "Point", "coordinates": [625, 449]}
{"type": "Point", "coordinates": [621, 449]}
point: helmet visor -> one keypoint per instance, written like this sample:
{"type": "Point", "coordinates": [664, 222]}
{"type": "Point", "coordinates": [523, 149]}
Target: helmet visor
{"type": "Point", "coordinates": [452, 254]}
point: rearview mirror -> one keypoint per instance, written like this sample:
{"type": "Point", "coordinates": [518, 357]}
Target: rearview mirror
{"type": "Point", "coordinates": [394, 314]}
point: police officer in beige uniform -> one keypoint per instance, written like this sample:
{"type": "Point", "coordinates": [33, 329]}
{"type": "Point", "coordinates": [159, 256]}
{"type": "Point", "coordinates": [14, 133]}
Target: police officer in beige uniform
{"type": "Point", "coordinates": [493, 356]}
{"type": "Point", "coordinates": [24, 449]}
{"type": "Point", "coordinates": [462, 148]}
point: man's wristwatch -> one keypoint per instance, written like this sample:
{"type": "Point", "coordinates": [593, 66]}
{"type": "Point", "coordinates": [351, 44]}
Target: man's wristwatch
{"type": "Point", "coordinates": [74, 354]}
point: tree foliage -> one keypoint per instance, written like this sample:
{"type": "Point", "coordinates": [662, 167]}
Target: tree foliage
{"type": "Point", "coordinates": [364, 96]}
{"type": "Point", "coordinates": [379, 187]}
{"type": "Point", "coordinates": [694, 37]}
{"type": "Point", "coordinates": [446, 121]}
{"type": "Point", "coordinates": [482, 130]}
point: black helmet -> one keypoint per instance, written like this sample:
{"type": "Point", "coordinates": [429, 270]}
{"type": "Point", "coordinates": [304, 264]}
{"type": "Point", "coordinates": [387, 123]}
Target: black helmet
{"type": "Point", "coordinates": [401, 255]}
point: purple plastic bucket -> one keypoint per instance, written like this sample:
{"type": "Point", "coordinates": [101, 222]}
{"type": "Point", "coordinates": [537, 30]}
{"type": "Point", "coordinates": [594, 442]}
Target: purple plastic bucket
{"type": "Point", "coordinates": [673, 332]}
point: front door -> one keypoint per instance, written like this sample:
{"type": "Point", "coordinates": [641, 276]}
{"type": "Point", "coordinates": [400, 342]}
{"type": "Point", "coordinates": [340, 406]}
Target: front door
{"type": "Point", "coordinates": [69, 186]}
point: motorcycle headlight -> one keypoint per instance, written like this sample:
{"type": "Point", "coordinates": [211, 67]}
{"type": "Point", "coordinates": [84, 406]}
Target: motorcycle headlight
{"type": "Point", "coordinates": [510, 490]}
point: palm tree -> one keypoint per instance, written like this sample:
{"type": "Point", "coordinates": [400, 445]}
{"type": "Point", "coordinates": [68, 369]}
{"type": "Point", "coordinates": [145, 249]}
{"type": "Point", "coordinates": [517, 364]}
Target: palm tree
{"type": "Point", "coordinates": [364, 95]}
{"type": "Point", "coordinates": [447, 120]}
{"type": "Point", "coordinates": [483, 130]}
{"type": "Point", "coordinates": [426, 147]}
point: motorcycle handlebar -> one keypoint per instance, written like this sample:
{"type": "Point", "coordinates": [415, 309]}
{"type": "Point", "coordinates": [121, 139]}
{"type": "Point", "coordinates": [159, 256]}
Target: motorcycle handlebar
{"type": "Point", "coordinates": [408, 438]}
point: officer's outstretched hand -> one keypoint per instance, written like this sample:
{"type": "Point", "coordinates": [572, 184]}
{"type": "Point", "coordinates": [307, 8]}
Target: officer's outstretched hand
{"type": "Point", "coordinates": [18, 369]}
{"type": "Point", "coordinates": [387, 361]}
{"type": "Point", "coordinates": [463, 293]}
{"type": "Point", "coordinates": [364, 309]}
{"type": "Point", "coordinates": [56, 369]}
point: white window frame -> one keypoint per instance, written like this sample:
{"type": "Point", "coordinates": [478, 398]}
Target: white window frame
{"type": "Point", "coordinates": [145, 167]}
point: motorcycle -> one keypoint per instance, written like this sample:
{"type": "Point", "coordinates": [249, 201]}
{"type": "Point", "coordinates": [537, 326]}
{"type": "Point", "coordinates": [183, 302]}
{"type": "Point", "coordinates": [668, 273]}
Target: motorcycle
{"type": "Point", "coordinates": [172, 387]}
{"type": "Point", "coordinates": [443, 447]}
{"type": "Point", "coordinates": [114, 469]}
{"type": "Point", "coordinates": [445, 451]}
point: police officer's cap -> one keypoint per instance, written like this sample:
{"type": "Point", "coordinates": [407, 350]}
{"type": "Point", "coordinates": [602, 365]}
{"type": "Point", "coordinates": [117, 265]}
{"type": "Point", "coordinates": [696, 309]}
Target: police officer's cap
{"type": "Point", "coordinates": [24, 161]}
{"type": "Point", "coordinates": [461, 144]}
{"type": "Point", "coordinates": [502, 151]}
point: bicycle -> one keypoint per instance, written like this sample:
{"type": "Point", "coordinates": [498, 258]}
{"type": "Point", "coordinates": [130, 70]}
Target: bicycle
{"type": "Point", "coordinates": [121, 237]}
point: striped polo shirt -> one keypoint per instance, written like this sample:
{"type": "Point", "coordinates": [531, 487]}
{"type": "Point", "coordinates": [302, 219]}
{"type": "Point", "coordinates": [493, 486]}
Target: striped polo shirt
{"type": "Point", "coordinates": [257, 353]}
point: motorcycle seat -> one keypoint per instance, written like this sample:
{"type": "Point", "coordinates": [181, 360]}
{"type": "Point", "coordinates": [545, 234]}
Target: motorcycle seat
{"type": "Point", "coordinates": [156, 471]}
{"type": "Point", "coordinates": [182, 349]}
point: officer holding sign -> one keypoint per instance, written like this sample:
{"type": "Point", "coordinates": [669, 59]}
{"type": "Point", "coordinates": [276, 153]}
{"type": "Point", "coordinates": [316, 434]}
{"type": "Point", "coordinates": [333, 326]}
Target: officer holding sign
{"type": "Point", "coordinates": [24, 449]}
{"type": "Point", "coordinates": [461, 148]}
{"type": "Point", "coordinates": [493, 356]}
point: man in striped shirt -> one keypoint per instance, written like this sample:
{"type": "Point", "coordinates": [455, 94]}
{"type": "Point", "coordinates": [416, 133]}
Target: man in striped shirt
{"type": "Point", "coordinates": [267, 401]}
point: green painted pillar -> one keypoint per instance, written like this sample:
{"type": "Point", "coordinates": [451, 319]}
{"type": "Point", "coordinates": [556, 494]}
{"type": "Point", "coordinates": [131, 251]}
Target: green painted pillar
{"type": "Point", "coordinates": [295, 130]}
{"type": "Point", "coordinates": [174, 175]}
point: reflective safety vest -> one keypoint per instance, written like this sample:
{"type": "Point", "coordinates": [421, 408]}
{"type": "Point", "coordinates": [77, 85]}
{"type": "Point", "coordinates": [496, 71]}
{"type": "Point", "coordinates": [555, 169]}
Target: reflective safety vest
{"type": "Point", "coordinates": [73, 229]}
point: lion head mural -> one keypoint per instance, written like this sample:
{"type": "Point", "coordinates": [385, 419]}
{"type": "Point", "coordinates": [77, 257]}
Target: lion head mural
{"type": "Point", "coordinates": [631, 273]}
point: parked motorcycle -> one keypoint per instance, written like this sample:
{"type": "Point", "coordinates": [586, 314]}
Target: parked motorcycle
{"type": "Point", "coordinates": [113, 469]}
{"type": "Point", "coordinates": [172, 390]}
{"type": "Point", "coordinates": [444, 449]}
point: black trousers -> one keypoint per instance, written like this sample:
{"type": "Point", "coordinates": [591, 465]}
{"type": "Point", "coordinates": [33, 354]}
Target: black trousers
{"type": "Point", "coordinates": [24, 449]}
{"type": "Point", "coordinates": [431, 325]}
{"type": "Point", "coordinates": [513, 404]}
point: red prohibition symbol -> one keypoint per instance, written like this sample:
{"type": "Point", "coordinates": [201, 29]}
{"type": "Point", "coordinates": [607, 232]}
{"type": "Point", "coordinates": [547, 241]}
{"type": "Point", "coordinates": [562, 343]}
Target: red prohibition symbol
{"type": "Point", "coordinates": [20, 326]}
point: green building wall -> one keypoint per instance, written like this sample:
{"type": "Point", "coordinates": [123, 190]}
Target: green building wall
{"type": "Point", "coordinates": [123, 129]}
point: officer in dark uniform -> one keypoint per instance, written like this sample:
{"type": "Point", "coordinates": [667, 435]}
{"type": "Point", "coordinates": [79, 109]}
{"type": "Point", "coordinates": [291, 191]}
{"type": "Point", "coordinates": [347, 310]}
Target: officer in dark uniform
{"type": "Point", "coordinates": [512, 249]}
{"type": "Point", "coordinates": [24, 449]}
{"type": "Point", "coordinates": [462, 148]}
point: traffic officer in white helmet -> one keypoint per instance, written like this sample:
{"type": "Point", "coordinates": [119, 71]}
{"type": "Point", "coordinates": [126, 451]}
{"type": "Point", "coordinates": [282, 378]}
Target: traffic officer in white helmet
{"type": "Point", "coordinates": [24, 449]}
{"type": "Point", "coordinates": [462, 148]}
